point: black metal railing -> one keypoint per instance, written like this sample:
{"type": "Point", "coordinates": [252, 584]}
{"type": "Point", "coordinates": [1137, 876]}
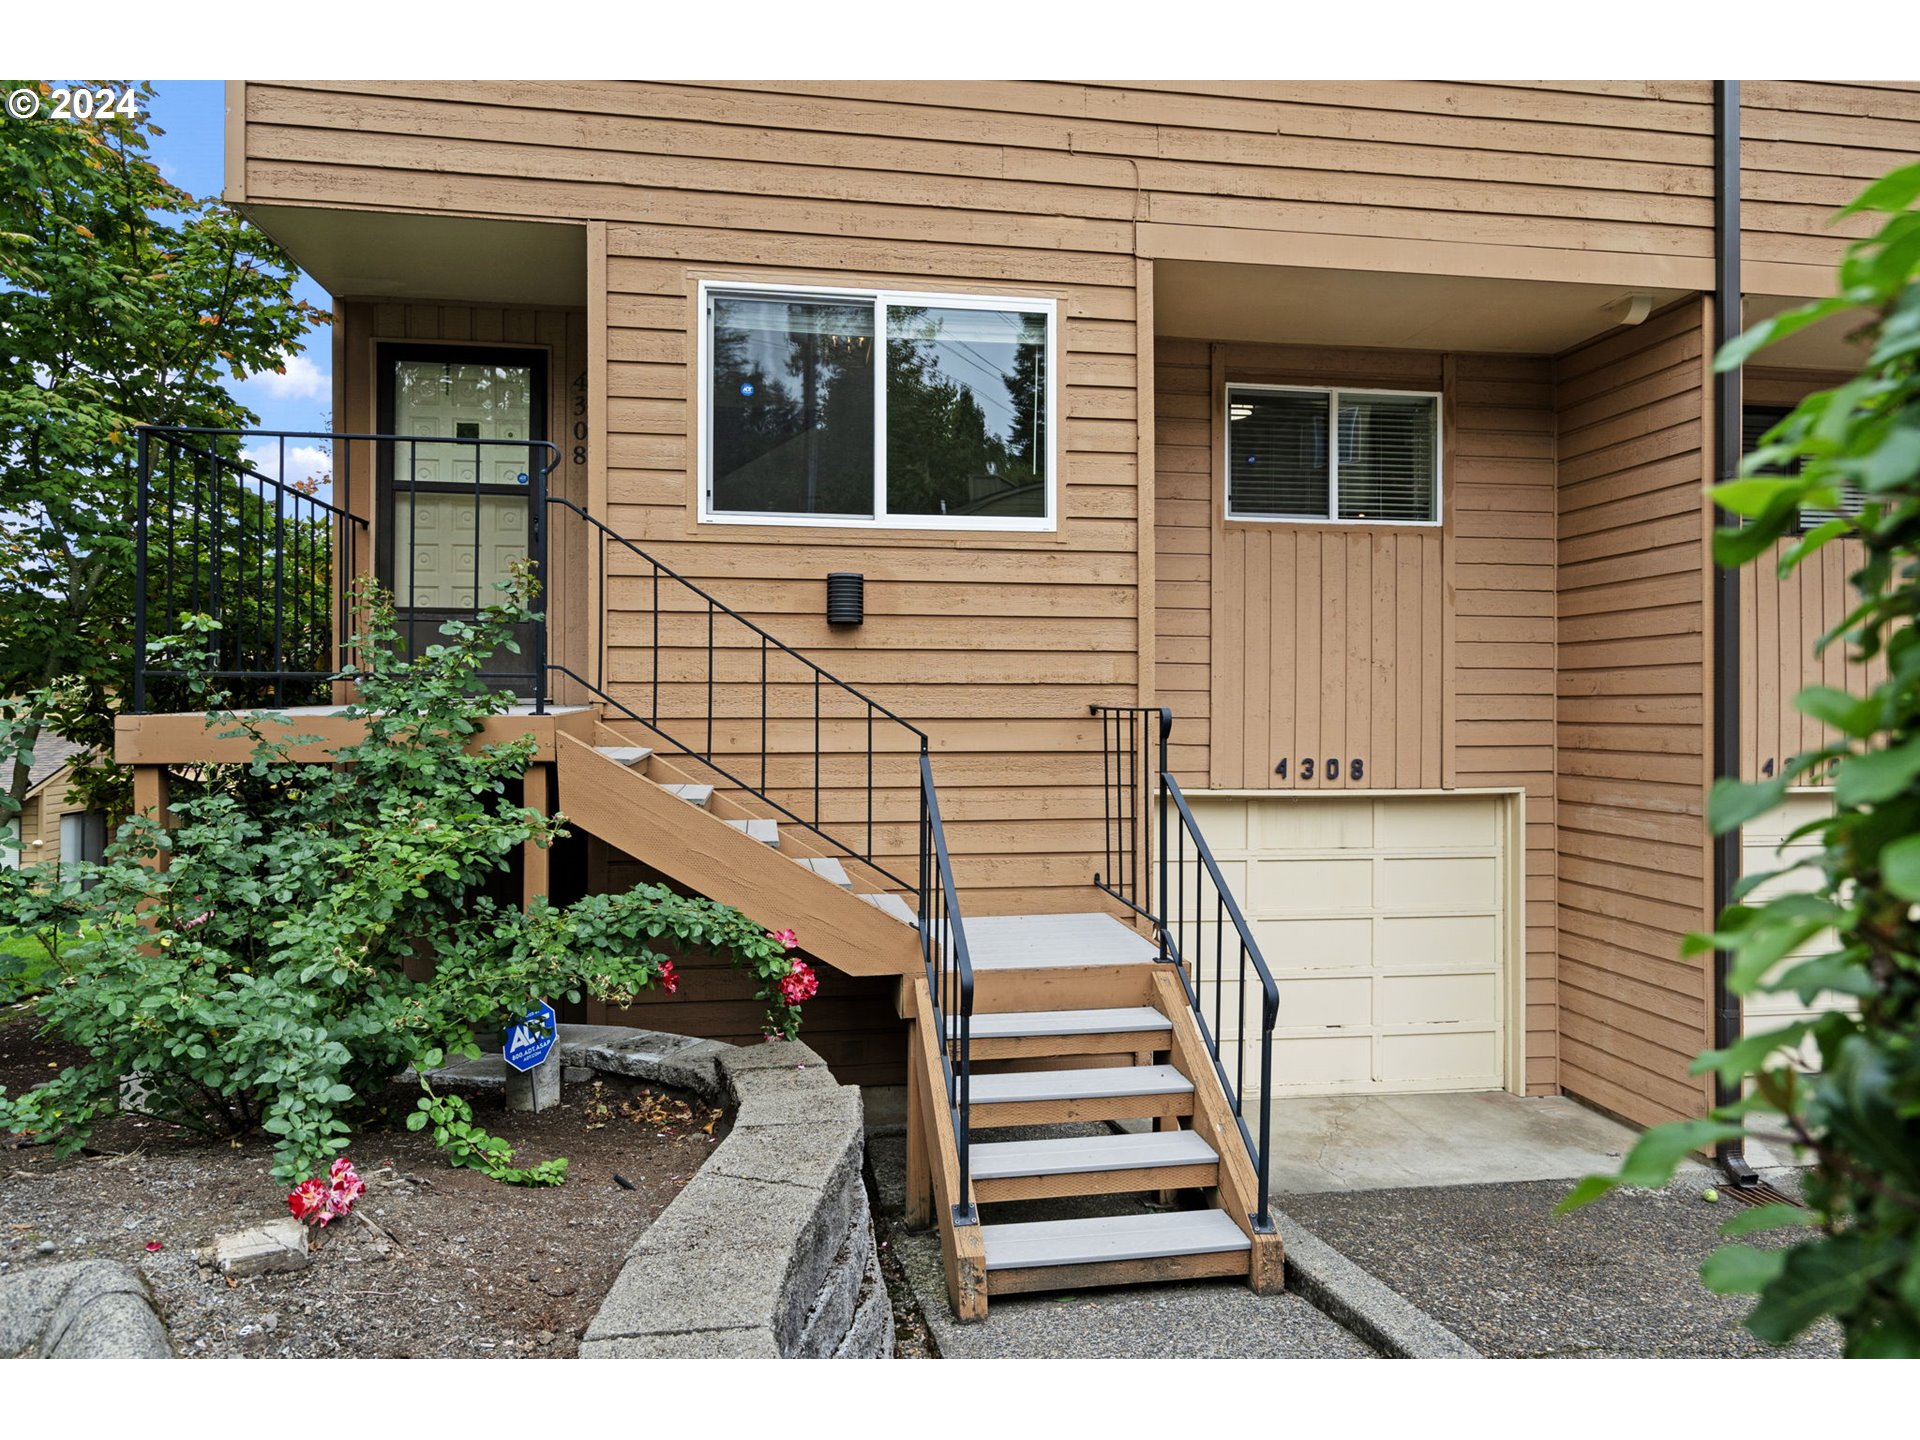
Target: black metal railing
{"type": "Point", "coordinates": [1150, 831]}
{"type": "Point", "coordinates": [943, 946]}
{"type": "Point", "coordinates": [227, 529]}
{"type": "Point", "coordinates": [259, 554]}
{"type": "Point", "coordinates": [222, 530]}
{"type": "Point", "coordinates": [692, 657]}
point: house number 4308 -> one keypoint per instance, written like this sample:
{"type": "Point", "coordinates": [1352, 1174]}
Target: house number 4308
{"type": "Point", "coordinates": [1329, 769]}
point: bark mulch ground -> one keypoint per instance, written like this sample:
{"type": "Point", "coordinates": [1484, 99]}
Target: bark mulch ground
{"type": "Point", "coordinates": [453, 1264]}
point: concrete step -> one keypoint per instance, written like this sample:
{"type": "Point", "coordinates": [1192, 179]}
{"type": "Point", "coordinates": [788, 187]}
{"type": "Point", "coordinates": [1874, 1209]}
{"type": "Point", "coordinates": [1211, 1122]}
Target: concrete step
{"type": "Point", "coordinates": [1029, 1024]}
{"type": "Point", "coordinates": [1106, 1239]}
{"type": "Point", "coordinates": [765, 831]}
{"type": "Point", "coordinates": [1085, 1154]}
{"type": "Point", "coordinates": [695, 795]}
{"type": "Point", "coordinates": [827, 868]}
{"type": "Point", "coordinates": [625, 754]}
{"type": "Point", "coordinates": [892, 905]}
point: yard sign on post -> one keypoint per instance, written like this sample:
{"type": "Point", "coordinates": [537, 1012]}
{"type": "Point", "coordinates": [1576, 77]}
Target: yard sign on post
{"type": "Point", "coordinates": [531, 1040]}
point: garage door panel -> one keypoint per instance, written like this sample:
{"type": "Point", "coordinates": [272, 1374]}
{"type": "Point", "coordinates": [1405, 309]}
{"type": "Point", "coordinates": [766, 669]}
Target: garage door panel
{"type": "Point", "coordinates": [1425, 823]}
{"type": "Point", "coordinates": [1449, 941]}
{"type": "Point", "coordinates": [1290, 826]}
{"type": "Point", "coordinates": [1764, 849]}
{"type": "Point", "coordinates": [1430, 1060]}
{"type": "Point", "coordinates": [1439, 883]}
{"type": "Point", "coordinates": [1387, 923]}
{"type": "Point", "coordinates": [1301, 884]}
{"type": "Point", "coordinates": [1291, 945]}
{"type": "Point", "coordinates": [1436, 999]}
{"type": "Point", "coordinates": [1318, 1064]}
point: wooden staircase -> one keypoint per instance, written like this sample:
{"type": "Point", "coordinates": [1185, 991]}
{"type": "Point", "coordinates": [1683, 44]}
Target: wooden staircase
{"type": "Point", "coordinates": [701, 837]}
{"type": "Point", "coordinates": [1077, 1029]}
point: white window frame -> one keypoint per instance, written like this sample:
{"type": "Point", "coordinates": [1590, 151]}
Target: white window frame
{"type": "Point", "coordinates": [881, 519]}
{"type": "Point", "coordinates": [1333, 394]}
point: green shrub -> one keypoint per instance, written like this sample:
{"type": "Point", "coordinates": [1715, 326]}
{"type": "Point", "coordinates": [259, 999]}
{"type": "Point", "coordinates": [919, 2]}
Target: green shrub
{"type": "Point", "coordinates": [259, 982]}
{"type": "Point", "coordinates": [1856, 1250]}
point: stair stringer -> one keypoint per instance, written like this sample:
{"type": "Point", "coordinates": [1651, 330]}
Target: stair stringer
{"type": "Point", "coordinates": [933, 1163]}
{"type": "Point", "coordinates": [1238, 1192]}
{"type": "Point", "coordinates": [702, 852]}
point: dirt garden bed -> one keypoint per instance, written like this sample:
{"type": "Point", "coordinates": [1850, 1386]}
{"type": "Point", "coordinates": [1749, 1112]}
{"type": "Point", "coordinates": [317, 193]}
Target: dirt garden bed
{"type": "Point", "coordinates": [458, 1266]}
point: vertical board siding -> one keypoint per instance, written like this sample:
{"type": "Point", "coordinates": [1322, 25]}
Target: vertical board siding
{"type": "Point", "coordinates": [1277, 640]}
{"type": "Point", "coordinates": [1783, 617]}
{"type": "Point", "coordinates": [1632, 716]}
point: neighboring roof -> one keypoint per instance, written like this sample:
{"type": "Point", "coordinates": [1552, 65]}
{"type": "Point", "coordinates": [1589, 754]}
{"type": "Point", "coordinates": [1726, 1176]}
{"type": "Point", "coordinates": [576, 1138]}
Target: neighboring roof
{"type": "Point", "coordinates": [51, 754]}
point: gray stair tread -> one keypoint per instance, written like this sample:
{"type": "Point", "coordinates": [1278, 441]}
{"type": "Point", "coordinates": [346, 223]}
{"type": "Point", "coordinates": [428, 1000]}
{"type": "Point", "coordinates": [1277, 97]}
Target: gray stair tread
{"type": "Point", "coordinates": [1111, 1081]}
{"type": "Point", "coordinates": [1085, 1154]}
{"type": "Point", "coordinates": [1036, 942]}
{"type": "Point", "coordinates": [692, 794]}
{"type": "Point", "coordinates": [892, 905]}
{"type": "Point", "coordinates": [625, 754]}
{"type": "Point", "coordinates": [827, 868]}
{"type": "Point", "coordinates": [1110, 1237]}
{"type": "Point", "coordinates": [765, 831]}
{"type": "Point", "coordinates": [1020, 1024]}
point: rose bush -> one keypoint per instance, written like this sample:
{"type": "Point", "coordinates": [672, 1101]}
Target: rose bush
{"type": "Point", "coordinates": [317, 929]}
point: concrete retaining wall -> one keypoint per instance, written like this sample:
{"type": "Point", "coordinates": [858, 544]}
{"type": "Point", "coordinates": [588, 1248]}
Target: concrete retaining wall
{"type": "Point", "coordinates": [769, 1250]}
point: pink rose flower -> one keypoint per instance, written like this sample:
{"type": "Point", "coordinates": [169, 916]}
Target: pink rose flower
{"type": "Point", "coordinates": [787, 938]}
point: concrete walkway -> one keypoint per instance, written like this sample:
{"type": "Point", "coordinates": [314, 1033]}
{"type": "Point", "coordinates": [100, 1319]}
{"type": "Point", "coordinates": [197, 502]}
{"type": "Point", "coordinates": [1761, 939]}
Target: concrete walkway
{"type": "Point", "coordinates": [1383, 1142]}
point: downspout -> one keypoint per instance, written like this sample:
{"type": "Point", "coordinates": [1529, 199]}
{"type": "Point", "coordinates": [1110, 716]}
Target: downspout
{"type": "Point", "coordinates": [1727, 437]}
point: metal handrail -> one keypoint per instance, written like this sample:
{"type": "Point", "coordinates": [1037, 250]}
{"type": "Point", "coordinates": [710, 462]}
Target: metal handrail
{"type": "Point", "coordinates": [1182, 933]}
{"type": "Point", "coordinates": [263, 572]}
{"type": "Point", "coordinates": [768, 645]}
{"type": "Point", "coordinates": [943, 948]}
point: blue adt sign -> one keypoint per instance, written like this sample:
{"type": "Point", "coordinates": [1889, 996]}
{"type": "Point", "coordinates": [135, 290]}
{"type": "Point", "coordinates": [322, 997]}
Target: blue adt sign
{"type": "Point", "coordinates": [529, 1041]}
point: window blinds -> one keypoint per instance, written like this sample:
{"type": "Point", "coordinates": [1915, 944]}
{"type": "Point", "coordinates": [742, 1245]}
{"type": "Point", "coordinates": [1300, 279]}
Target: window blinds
{"type": "Point", "coordinates": [1755, 422]}
{"type": "Point", "coordinates": [1284, 463]}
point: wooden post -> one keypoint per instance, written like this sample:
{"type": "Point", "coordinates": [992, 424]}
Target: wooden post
{"type": "Point", "coordinates": [150, 799]}
{"type": "Point", "coordinates": [919, 1204]}
{"type": "Point", "coordinates": [535, 859]}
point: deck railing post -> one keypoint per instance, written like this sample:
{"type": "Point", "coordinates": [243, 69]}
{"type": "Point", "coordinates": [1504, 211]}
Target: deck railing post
{"type": "Point", "coordinates": [537, 553]}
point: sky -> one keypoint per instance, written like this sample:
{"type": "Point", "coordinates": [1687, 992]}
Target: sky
{"type": "Point", "coordinates": [190, 154]}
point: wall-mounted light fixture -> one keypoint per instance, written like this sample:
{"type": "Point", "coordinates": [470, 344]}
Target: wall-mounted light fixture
{"type": "Point", "coordinates": [846, 598]}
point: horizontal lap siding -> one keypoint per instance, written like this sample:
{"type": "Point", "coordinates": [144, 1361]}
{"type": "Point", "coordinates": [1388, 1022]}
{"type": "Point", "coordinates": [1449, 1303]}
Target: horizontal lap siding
{"type": "Point", "coordinates": [1530, 172]}
{"type": "Point", "coordinates": [1632, 718]}
{"type": "Point", "coordinates": [1501, 536]}
{"type": "Point", "coordinates": [1279, 640]}
{"type": "Point", "coordinates": [1807, 148]}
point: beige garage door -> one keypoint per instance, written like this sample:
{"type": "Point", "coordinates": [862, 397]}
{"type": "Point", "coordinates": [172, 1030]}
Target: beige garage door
{"type": "Point", "coordinates": [1764, 849]}
{"type": "Point", "coordinates": [1386, 923]}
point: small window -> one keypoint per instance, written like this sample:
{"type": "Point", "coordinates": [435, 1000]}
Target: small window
{"type": "Point", "coordinates": [877, 408]}
{"type": "Point", "coordinates": [83, 841]}
{"type": "Point", "coordinates": [1755, 422]}
{"type": "Point", "coordinates": [1359, 456]}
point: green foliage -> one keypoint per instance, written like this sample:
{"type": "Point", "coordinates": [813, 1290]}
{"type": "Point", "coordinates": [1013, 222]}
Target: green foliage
{"type": "Point", "coordinates": [1856, 1250]}
{"type": "Point", "coordinates": [123, 301]}
{"type": "Point", "coordinates": [319, 928]}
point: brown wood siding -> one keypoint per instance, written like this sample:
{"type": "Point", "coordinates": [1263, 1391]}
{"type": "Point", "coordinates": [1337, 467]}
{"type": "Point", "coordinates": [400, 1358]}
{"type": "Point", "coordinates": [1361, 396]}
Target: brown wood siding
{"type": "Point", "coordinates": [1632, 715]}
{"type": "Point", "coordinates": [364, 324]}
{"type": "Point", "coordinates": [1550, 180]}
{"type": "Point", "coordinates": [1425, 652]}
{"type": "Point", "coordinates": [1782, 619]}
{"type": "Point", "coordinates": [994, 642]}
{"type": "Point", "coordinates": [1807, 148]}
